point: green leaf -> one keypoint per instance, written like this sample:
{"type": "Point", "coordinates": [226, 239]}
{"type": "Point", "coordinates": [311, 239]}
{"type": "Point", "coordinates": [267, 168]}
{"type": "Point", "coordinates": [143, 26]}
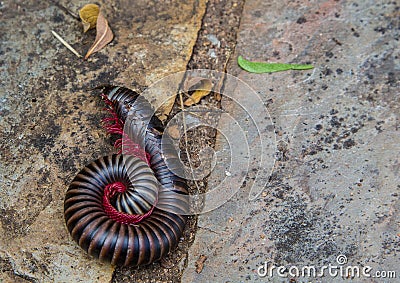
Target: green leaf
{"type": "Point", "coordinates": [259, 67]}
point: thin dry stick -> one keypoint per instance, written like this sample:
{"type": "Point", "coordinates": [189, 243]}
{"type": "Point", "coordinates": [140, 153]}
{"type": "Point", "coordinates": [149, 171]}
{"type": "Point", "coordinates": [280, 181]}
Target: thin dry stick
{"type": "Point", "coordinates": [221, 81]}
{"type": "Point", "coordinates": [186, 141]}
{"type": "Point", "coordinates": [65, 43]}
{"type": "Point", "coordinates": [189, 97]}
{"type": "Point", "coordinates": [66, 10]}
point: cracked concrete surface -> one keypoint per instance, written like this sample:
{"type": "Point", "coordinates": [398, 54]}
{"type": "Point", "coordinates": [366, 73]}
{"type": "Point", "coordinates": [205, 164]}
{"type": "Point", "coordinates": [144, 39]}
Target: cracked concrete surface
{"type": "Point", "coordinates": [335, 185]}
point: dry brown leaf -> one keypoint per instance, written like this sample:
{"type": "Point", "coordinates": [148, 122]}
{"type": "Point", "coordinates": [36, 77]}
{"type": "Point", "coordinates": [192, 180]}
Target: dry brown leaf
{"type": "Point", "coordinates": [103, 35]}
{"type": "Point", "coordinates": [201, 86]}
{"type": "Point", "coordinates": [200, 263]}
{"type": "Point", "coordinates": [88, 15]}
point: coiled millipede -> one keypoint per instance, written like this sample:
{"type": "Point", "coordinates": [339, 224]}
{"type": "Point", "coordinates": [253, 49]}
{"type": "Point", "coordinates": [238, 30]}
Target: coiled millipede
{"type": "Point", "coordinates": [128, 209]}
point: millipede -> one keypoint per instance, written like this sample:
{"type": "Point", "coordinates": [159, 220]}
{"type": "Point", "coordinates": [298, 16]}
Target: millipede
{"type": "Point", "coordinates": [129, 208]}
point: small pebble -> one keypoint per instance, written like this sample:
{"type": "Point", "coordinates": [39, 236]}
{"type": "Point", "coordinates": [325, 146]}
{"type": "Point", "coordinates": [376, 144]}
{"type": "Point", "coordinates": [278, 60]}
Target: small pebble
{"type": "Point", "coordinates": [214, 40]}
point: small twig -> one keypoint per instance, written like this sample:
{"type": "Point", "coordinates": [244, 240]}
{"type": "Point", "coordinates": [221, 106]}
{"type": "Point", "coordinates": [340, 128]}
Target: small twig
{"type": "Point", "coordinates": [186, 140]}
{"type": "Point", "coordinates": [203, 111]}
{"type": "Point", "coordinates": [193, 114]}
{"type": "Point", "coordinates": [66, 44]}
{"type": "Point", "coordinates": [187, 95]}
{"type": "Point", "coordinates": [217, 91]}
{"type": "Point", "coordinates": [66, 10]}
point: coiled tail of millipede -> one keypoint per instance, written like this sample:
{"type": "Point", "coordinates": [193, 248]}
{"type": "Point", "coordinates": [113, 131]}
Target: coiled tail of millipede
{"type": "Point", "coordinates": [124, 209]}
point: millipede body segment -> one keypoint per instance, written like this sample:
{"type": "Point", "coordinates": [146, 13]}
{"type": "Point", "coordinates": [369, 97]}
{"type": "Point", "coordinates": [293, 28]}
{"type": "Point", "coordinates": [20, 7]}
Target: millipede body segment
{"type": "Point", "coordinates": [128, 209]}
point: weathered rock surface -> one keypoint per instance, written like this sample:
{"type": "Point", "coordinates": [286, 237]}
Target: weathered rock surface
{"type": "Point", "coordinates": [335, 185]}
{"type": "Point", "coordinates": [50, 121]}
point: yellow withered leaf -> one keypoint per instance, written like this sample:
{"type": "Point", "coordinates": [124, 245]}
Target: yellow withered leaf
{"type": "Point", "coordinates": [201, 87]}
{"type": "Point", "coordinates": [104, 35]}
{"type": "Point", "coordinates": [88, 15]}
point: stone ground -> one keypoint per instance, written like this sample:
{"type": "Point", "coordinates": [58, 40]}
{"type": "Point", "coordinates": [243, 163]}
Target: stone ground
{"type": "Point", "coordinates": [334, 188]}
{"type": "Point", "coordinates": [335, 185]}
